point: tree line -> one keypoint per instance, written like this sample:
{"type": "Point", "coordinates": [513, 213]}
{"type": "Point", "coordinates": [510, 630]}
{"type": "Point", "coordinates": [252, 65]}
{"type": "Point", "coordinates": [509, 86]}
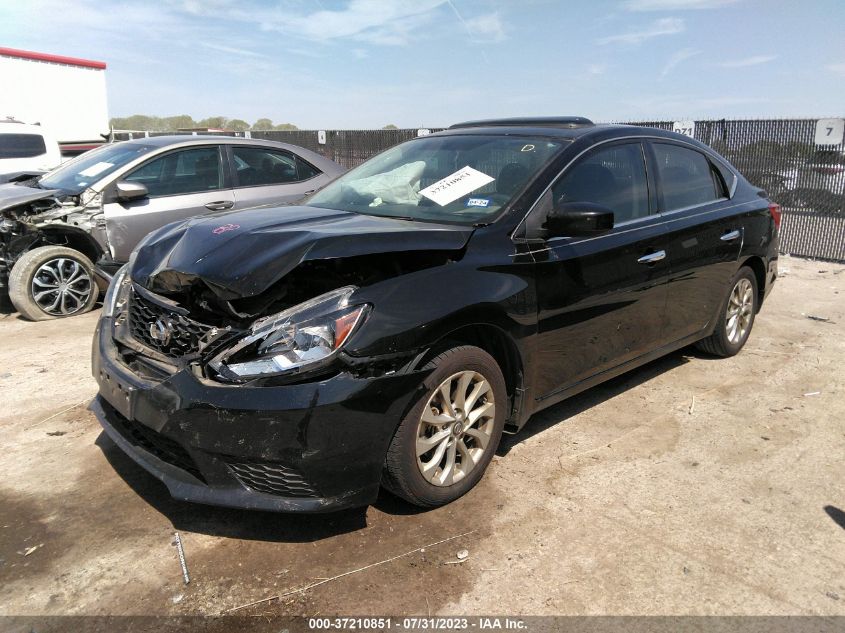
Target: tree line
{"type": "Point", "coordinates": [147, 123]}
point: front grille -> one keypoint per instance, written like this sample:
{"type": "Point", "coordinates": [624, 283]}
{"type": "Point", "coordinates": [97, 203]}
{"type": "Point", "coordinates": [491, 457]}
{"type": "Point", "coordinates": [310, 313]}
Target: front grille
{"type": "Point", "coordinates": [162, 447]}
{"type": "Point", "coordinates": [270, 478]}
{"type": "Point", "coordinates": [181, 334]}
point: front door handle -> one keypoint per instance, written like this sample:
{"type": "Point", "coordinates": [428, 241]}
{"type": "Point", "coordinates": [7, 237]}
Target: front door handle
{"type": "Point", "coordinates": [652, 258]}
{"type": "Point", "coordinates": [730, 236]}
{"type": "Point", "coordinates": [309, 192]}
{"type": "Point", "coordinates": [220, 205]}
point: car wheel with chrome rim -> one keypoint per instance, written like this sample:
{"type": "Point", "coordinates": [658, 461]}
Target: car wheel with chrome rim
{"type": "Point", "coordinates": [446, 441]}
{"type": "Point", "coordinates": [736, 316]}
{"type": "Point", "coordinates": [53, 282]}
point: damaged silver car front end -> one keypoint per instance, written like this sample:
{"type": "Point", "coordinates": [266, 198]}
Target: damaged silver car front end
{"type": "Point", "coordinates": [49, 243]}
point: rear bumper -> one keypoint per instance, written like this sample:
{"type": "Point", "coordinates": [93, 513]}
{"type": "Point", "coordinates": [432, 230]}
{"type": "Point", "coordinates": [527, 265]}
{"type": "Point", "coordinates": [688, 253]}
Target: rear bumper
{"type": "Point", "coordinates": [310, 447]}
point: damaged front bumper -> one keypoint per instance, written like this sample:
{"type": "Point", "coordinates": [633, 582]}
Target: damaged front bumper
{"type": "Point", "coordinates": [311, 447]}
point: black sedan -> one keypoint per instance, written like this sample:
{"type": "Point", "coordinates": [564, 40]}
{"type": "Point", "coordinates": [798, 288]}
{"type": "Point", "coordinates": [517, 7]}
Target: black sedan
{"type": "Point", "coordinates": [390, 329]}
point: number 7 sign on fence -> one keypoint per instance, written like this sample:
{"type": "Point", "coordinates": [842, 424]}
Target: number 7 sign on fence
{"type": "Point", "coordinates": [830, 131]}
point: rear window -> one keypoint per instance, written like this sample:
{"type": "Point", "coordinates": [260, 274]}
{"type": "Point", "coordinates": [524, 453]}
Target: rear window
{"type": "Point", "coordinates": [262, 166]}
{"type": "Point", "coordinates": [21, 145]}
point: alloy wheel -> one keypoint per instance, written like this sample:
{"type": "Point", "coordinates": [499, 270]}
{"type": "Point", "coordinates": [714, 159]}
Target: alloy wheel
{"type": "Point", "coordinates": [61, 287]}
{"type": "Point", "coordinates": [740, 311]}
{"type": "Point", "coordinates": [455, 428]}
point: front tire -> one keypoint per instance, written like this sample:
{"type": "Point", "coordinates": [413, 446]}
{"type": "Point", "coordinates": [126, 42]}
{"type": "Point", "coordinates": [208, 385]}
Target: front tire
{"type": "Point", "coordinates": [446, 441]}
{"type": "Point", "coordinates": [736, 316]}
{"type": "Point", "coordinates": [52, 282]}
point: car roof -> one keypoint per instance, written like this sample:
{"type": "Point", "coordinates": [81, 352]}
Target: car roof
{"type": "Point", "coordinates": [564, 128]}
{"type": "Point", "coordinates": [18, 127]}
{"type": "Point", "coordinates": [185, 140]}
{"type": "Point", "coordinates": [175, 139]}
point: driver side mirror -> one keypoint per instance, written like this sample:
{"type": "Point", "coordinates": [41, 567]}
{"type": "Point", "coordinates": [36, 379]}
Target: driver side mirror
{"type": "Point", "coordinates": [573, 219]}
{"type": "Point", "coordinates": [127, 191]}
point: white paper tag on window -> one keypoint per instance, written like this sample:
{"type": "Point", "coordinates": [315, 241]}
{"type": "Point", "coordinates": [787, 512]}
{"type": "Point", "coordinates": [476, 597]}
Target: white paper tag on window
{"type": "Point", "coordinates": [459, 184]}
{"type": "Point", "coordinates": [95, 169]}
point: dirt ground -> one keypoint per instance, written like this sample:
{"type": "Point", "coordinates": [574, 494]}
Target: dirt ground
{"type": "Point", "coordinates": [689, 486]}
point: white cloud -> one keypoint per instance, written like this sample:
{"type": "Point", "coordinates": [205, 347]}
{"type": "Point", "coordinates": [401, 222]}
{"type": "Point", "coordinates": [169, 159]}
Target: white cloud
{"type": "Point", "coordinates": [596, 69]}
{"type": "Point", "coordinates": [839, 69]}
{"type": "Point", "coordinates": [755, 60]}
{"type": "Point", "coordinates": [676, 106]}
{"type": "Point", "coordinates": [486, 28]}
{"type": "Point", "coordinates": [664, 26]}
{"type": "Point", "coordinates": [231, 49]}
{"type": "Point", "coordinates": [675, 5]}
{"type": "Point", "coordinates": [394, 23]}
{"type": "Point", "coordinates": [677, 59]}
{"type": "Point", "coordinates": [373, 21]}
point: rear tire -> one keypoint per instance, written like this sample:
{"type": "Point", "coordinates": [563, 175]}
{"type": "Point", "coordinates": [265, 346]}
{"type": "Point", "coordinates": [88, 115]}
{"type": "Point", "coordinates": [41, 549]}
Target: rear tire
{"type": "Point", "coordinates": [53, 282]}
{"type": "Point", "coordinates": [461, 432]}
{"type": "Point", "coordinates": [735, 317]}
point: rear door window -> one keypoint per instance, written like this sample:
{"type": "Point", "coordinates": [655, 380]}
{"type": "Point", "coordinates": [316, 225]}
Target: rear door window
{"type": "Point", "coordinates": [686, 177]}
{"type": "Point", "coordinates": [185, 171]}
{"type": "Point", "coordinates": [256, 166]}
{"type": "Point", "coordinates": [614, 177]}
{"type": "Point", "coordinates": [22, 145]}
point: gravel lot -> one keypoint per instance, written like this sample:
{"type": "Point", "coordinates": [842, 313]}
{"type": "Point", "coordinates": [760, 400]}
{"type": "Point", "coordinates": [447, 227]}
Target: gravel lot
{"type": "Point", "coordinates": [689, 486]}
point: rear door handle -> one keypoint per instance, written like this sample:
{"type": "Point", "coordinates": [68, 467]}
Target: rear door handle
{"type": "Point", "coordinates": [730, 236]}
{"type": "Point", "coordinates": [220, 205]}
{"type": "Point", "coordinates": [652, 258]}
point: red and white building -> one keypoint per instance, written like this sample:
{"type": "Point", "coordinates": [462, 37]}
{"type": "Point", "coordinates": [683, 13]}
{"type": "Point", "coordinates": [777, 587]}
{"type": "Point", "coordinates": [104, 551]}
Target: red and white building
{"type": "Point", "coordinates": [66, 95]}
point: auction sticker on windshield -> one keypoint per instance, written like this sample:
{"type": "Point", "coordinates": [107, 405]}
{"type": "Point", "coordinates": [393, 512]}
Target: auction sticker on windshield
{"type": "Point", "coordinates": [456, 185]}
{"type": "Point", "coordinates": [95, 169]}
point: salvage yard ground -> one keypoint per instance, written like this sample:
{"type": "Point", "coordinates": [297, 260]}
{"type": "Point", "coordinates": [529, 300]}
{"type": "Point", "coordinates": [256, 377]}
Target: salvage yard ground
{"type": "Point", "coordinates": [691, 485]}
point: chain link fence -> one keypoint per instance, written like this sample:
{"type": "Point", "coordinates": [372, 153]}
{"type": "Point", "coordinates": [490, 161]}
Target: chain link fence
{"type": "Point", "coordinates": [350, 148]}
{"type": "Point", "coordinates": [780, 156]}
{"type": "Point", "coordinates": [805, 178]}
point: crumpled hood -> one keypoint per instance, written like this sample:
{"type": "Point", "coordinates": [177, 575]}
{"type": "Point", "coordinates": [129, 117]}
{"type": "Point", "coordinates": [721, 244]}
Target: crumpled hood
{"type": "Point", "coordinates": [242, 253]}
{"type": "Point", "coordinates": [12, 195]}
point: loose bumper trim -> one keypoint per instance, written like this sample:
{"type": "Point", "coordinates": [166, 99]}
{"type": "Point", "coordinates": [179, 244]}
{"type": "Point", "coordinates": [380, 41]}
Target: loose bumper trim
{"type": "Point", "coordinates": [184, 487]}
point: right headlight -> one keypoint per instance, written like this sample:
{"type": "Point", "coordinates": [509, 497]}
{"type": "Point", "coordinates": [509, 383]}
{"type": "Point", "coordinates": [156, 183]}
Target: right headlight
{"type": "Point", "coordinates": [117, 293]}
{"type": "Point", "coordinates": [303, 337]}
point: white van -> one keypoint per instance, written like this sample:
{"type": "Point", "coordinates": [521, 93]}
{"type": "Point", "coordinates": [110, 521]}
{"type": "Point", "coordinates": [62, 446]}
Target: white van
{"type": "Point", "coordinates": [26, 147]}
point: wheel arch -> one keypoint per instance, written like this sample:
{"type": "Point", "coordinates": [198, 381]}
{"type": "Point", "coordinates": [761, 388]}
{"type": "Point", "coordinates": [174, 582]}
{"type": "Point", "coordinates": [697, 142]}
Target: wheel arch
{"type": "Point", "coordinates": [756, 264]}
{"type": "Point", "coordinates": [74, 238]}
{"type": "Point", "coordinates": [496, 342]}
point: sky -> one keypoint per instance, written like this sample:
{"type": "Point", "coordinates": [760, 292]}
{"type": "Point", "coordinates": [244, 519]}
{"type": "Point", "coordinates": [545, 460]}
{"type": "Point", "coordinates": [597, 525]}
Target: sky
{"type": "Point", "coordinates": [429, 63]}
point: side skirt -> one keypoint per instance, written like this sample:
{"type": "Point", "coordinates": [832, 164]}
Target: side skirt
{"type": "Point", "coordinates": [596, 379]}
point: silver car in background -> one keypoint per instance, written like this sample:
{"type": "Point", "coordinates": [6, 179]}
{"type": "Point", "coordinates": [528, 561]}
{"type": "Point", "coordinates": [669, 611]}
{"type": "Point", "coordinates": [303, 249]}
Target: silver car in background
{"type": "Point", "coordinates": [820, 183]}
{"type": "Point", "coordinates": [97, 207]}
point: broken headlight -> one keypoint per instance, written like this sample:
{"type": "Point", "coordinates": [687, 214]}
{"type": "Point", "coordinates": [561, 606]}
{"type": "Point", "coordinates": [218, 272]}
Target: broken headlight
{"type": "Point", "coordinates": [7, 225]}
{"type": "Point", "coordinates": [117, 293]}
{"type": "Point", "coordinates": [305, 336]}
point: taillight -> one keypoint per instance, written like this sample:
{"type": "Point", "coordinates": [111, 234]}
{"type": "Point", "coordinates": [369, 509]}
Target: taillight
{"type": "Point", "coordinates": [774, 209]}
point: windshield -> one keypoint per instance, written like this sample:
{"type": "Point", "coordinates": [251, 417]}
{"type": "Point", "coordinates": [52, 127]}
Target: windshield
{"type": "Point", "coordinates": [463, 179]}
{"type": "Point", "coordinates": [84, 170]}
